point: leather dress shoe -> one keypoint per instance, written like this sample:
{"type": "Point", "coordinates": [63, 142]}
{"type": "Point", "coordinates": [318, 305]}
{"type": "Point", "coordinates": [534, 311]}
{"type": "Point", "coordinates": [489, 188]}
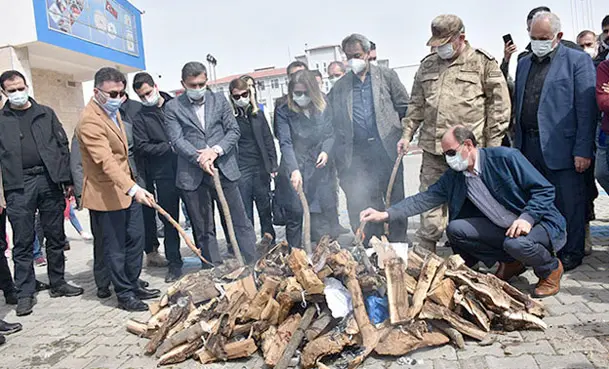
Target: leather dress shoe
{"type": "Point", "coordinates": [173, 274]}
{"type": "Point", "coordinates": [10, 297]}
{"type": "Point", "coordinates": [25, 306]}
{"type": "Point", "coordinates": [66, 290]}
{"type": "Point", "coordinates": [147, 294]}
{"type": "Point", "coordinates": [9, 328]}
{"type": "Point", "coordinates": [103, 293]}
{"type": "Point", "coordinates": [132, 304]}
{"type": "Point", "coordinates": [41, 286]}
{"type": "Point", "coordinates": [143, 283]}
{"type": "Point", "coordinates": [570, 262]}
{"type": "Point", "coordinates": [551, 285]}
{"type": "Point", "coordinates": [507, 271]}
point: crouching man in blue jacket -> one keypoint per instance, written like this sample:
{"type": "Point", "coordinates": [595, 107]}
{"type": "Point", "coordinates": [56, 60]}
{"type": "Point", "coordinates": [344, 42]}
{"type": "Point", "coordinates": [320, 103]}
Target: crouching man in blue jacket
{"type": "Point", "coordinates": [501, 209]}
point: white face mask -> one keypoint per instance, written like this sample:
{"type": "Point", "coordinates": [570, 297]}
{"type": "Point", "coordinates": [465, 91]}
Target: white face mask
{"type": "Point", "coordinates": [446, 51]}
{"type": "Point", "coordinates": [542, 48]}
{"type": "Point", "coordinates": [242, 102]}
{"type": "Point", "coordinates": [357, 65]}
{"type": "Point", "coordinates": [18, 98]}
{"type": "Point", "coordinates": [457, 162]}
{"type": "Point", "coordinates": [303, 100]}
{"type": "Point", "coordinates": [153, 99]}
{"type": "Point", "coordinates": [591, 51]}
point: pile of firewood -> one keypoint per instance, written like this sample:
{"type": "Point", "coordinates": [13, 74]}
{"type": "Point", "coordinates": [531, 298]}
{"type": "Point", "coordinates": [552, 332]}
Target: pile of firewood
{"type": "Point", "coordinates": [278, 307]}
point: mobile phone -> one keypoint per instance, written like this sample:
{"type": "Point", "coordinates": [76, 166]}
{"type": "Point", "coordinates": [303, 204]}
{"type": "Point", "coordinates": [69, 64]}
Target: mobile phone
{"type": "Point", "coordinates": [507, 39]}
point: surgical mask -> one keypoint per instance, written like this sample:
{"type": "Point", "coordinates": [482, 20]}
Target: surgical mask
{"type": "Point", "coordinates": [18, 98]}
{"type": "Point", "coordinates": [542, 48]}
{"type": "Point", "coordinates": [591, 51]}
{"type": "Point", "coordinates": [195, 94]}
{"type": "Point", "coordinates": [446, 51]}
{"type": "Point", "coordinates": [302, 100]}
{"type": "Point", "coordinates": [357, 65]}
{"type": "Point", "coordinates": [242, 102]}
{"type": "Point", "coordinates": [457, 162]}
{"type": "Point", "coordinates": [152, 100]}
{"type": "Point", "coordinates": [110, 105]}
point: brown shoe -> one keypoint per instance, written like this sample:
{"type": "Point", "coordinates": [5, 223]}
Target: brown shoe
{"type": "Point", "coordinates": [507, 271]}
{"type": "Point", "coordinates": [551, 285]}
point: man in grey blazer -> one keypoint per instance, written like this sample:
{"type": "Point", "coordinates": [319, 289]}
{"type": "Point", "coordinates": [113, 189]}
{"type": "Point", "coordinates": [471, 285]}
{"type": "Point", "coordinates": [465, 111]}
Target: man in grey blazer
{"type": "Point", "coordinates": [368, 104]}
{"type": "Point", "coordinates": [202, 128]}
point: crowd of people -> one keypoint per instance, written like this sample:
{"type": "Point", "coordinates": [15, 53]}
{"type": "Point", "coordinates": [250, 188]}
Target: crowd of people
{"type": "Point", "coordinates": [508, 167]}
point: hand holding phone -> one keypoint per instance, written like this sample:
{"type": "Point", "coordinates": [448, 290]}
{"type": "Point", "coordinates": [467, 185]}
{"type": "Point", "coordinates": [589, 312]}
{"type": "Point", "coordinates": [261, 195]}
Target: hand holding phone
{"type": "Point", "coordinates": [507, 39]}
{"type": "Point", "coordinates": [509, 48]}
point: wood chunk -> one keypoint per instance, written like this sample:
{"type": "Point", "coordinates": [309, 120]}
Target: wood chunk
{"type": "Point", "coordinates": [434, 311]}
{"type": "Point", "coordinates": [397, 292]}
{"type": "Point", "coordinates": [299, 264]}
{"type": "Point", "coordinates": [319, 325]}
{"type": "Point", "coordinates": [154, 307]}
{"type": "Point", "coordinates": [180, 353]}
{"type": "Point", "coordinates": [415, 263]}
{"type": "Point", "coordinates": [185, 336]}
{"type": "Point", "coordinates": [139, 329]}
{"type": "Point", "coordinates": [532, 306]}
{"type": "Point", "coordinates": [520, 320]}
{"type": "Point", "coordinates": [443, 293]}
{"type": "Point", "coordinates": [159, 318]}
{"type": "Point", "coordinates": [177, 313]}
{"type": "Point", "coordinates": [234, 350]}
{"type": "Point", "coordinates": [455, 336]}
{"type": "Point", "coordinates": [325, 272]}
{"type": "Point", "coordinates": [439, 276]}
{"type": "Point", "coordinates": [329, 343]}
{"type": "Point", "coordinates": [254, 308]}
{"type": "Point", "coordinates": [399, 343]}
{"type": "Point", "coordinates": [425, 278]}
{"type": "Point", "coordinates": [271, 312]}
{"type": "Point", "coordinates": [278, 342]}
{"type": "Point", "coordinates": [489, 291]}
{"type": "Point", "coordinates": [455, 262]}
{"type": "Point", "coordinates": [199, 285]}
{"type": "Point", "coordinates": [296, 338]}
{"type": "Point", "coordinates": [246, 284]}
{"type": "Point", "coordinates": [468, 301]}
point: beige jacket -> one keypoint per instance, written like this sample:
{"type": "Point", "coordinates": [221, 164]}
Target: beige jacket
{"type": "Point", "coordinates": [469, 91]}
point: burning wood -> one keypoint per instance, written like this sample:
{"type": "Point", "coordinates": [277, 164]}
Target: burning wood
{"type": "Point", "coordinates": [279, 307]}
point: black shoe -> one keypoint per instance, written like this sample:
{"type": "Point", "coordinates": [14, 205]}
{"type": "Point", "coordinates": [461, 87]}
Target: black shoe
{"type": "Point", "coordinates": [66, 290]}
{"type": "Point", "coordinates": [9, 328]}
{"type": "Point", "coordinates": [10, 297]}
{"type": "Point", "coordinates": [147, 294]}
{"type": "Point", "coordinates": [570, 262]}
{"type": "Point", "coordinates": [2, 340]}
{"type": "Point", "coordinates": [132, 304]}
{"type": "Point", "coordinates": [103, 293]}
{"type": "Point", "coordinates": [25, 305]}
{"type": "Point", "coordinates": [41, 286]}
{"type": "Point", "coordinates": [173, 274]}
{"type": "Point", "coordinates": [143, 283]}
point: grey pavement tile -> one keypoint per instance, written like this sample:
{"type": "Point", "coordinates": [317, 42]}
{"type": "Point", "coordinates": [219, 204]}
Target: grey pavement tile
{"type": "Point", "coordinates": [561, 320]}
{"type": "Point", "coordinates": [520, 362]}
{"type": "Point", "coordinates": [588, 344]}
{"type": "Point", "coordinates": [537, 347]}
{"type": "Point", "coordinates": [473, 349]}
{"type": "Point", "coordinates": [572, 361]}
{"type": "Point", "coordinates": [446, 352]}
{"type": "Point", "coordinates": [578, 307]}
{"type": "Point", "coordinates": [478, 362]}
{"type": "Point", "coordinates": [446, 364]}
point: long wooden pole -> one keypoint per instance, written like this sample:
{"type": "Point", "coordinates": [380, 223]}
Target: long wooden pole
{"type": "Point", "coordinates": [306, 223]}
{"type": "Point", "coordinates": [394, 174]}
{"type": "Point", "coordinates": [227, 217]}
{"type": "Point", "coordinates": [181, 231]}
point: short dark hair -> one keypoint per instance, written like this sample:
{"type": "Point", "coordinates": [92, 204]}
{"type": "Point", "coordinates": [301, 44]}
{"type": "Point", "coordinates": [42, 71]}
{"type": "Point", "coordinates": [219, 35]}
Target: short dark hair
{"type": "Point", "coordinates": [584, 34]}
{"type": "Point", "coordinates": [193, 69]}
{"type": "Point", "coordinates": [357, 38]}
{"type": "Point", "coordinates": [296, 64]}
{"type": "Point", "coordinates": [372, 46]}
{"type": "Point", "coordinates": [109, 74]}
{"type": "Point", "coordinates": [461, 134]}
{"type": "Point", "coordinates": [340, 65]}
{"type": "Point", "coordinates": [605, 22]}
{"type": "Point", "coordinates": [537, 10]}
{"type": "Point", "coordinates": [142, 78]}
{"type": "Point", "coordinates": [10, 75]}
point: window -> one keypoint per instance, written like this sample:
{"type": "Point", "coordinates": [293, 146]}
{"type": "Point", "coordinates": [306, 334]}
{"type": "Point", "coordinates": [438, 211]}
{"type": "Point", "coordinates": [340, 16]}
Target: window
{"type": "Point", "coordinates": [260, 86]}
{"type": "Point", "coordinates": [317, 66]}
{"type": "Point", "coordinates": [325, 68]}
{"type": "Point", "coordinates": [275, 83]}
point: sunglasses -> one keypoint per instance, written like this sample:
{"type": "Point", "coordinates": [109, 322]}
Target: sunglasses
{"type": "Point", "coordinates": [115, 94]}
{"type": "Point", "coordinates": [20, 89]}
{"type": "Point", "coordinates": [300, 93]}
{"type": "Point", "coordinates": [244, 95]}
{"type": "Point", "coordinates": [451, 152]}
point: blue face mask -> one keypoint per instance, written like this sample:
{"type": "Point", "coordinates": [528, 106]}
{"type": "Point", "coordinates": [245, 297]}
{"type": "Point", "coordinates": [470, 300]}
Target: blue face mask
{"type": "Point", "coordinates": [195, 94]}
{"type": "Point", "coordinates": [112, 105]}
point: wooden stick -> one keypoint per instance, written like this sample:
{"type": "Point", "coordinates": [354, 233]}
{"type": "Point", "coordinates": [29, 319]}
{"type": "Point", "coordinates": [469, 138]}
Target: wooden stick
{"type": "Point", "coordinates": [297, 338]}
{"type": "Point", "coordinates": [306, 223]}
{"type": "Point", "coordinates": [227, 216]}
{"type": "Point", "coordinates": [359, 244]}
{"type": "Point", "coordinates": [181, 231]}
{"type": "Point", "coordinates": [394, 174]}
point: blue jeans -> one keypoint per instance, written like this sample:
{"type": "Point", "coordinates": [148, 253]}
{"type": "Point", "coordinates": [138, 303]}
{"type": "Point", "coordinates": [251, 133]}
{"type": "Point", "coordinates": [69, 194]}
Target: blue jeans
{"type": "Point", "coordinates": [37, 248]}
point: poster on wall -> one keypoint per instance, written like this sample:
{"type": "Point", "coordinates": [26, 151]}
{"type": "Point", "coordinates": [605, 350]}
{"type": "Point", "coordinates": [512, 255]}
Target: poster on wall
{"type": "Point", "coordinates": [103, 22]}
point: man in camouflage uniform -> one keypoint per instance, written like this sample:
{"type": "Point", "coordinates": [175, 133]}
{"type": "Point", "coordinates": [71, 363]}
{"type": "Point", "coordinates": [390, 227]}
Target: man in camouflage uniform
{"type": "Point", "coordinates": [455, 85]}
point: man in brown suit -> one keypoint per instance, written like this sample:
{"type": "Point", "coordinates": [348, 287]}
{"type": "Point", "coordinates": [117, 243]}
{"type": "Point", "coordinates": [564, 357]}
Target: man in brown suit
{"type": "Point", "coordinates": [109, 189]}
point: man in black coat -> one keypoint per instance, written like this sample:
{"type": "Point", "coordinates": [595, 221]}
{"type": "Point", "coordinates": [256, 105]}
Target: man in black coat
{"type": "Point", "coordinates": [35, 160]}
{"type": "Point", "coordinates": [152, 145]}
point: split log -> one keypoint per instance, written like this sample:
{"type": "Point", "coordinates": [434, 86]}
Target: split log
{"type": "Point", "coordinates": [271, 312]}
{"type": "Point", "coordinates": [227, 217]}
{"type": "Point", "coordinates": [274, 346]}
{"type": "Point", "coordinates": [468, 301]}
{"type": "Point", "coordinates": [426, 254]}
{"type": "Point", "coordinates": [455, 262]}
{"type": "Point", "coordinates": [296, 338]}
{"type": "Point", "coordinates": [439, 276]}
{"type": "Point", "coordinates": [188, 335]}
{"type": "Point", "coordinates": [138, 328]}
{"type": "Point", "coordinates": [318, 326]}
{"type": "Point", "coordinates": [180, 353]}
{"type": "Point", "coordinates": [254, 308]}
{"type": "Point", "coordinates": [415, 263]}
{"type": "Point", "coordinates": [164, 301]}
{"type": "Point", "coordinates": [325, 272]}
{"type": "Point", "coordinates": [288, 286]}
{"type": "Point", "coordinates": [434, 311]}
{"type": "Point", "coordinates": [425, 278]}
{"type": "Point", "coordinates": [175, 329]}
{"type": "Point", "coordinates": [489, 291]}
{"type": "Point", "coordinates": [519, 320]}
{"type": "Point", "coordinates": [399, 343]}
{"type": "Point", "coordinates": [251, 330]}
{"type": "Point", "coordinates": [299, 264]}
{"type": "Point", "coordinates": [159, 318]}
{"type": "Point", "coordinates": [451, 332]}
{"type": "Point", "coordinates": [328, 344]}
{"type": "Point", "coordinates": [531, 306]}
{"type": "Point", "coordinates": [199, 285]}
{"type": "Point", "coordinates": [177, 313]}
{"type": "Point", "coordinates": [154, 308]}
{"type": "Point", "coordinates": [397, 292]}
{"type": "Point", "coordinates": [216, 343]}
{"type": "Point", "coordinates": [443, 293]}
{"type": "Point", "coordinates": [234, 350]}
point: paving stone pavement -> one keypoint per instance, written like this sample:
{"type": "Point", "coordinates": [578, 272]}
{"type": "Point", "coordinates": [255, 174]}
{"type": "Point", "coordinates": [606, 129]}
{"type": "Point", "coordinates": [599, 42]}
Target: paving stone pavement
{"type": "Point", "coordinates": [82, 332]}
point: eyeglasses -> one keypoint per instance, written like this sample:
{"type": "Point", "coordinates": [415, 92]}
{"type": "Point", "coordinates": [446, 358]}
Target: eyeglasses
{"type": "Point", "coordinates": [451, 152]}
{"type": "Point", "coordinates": [20, 89]}
{"type": "Point", "coordinates": [244, 95]}
{"type": "Point", "coordinates": [115, 94]}
{"type": "Point", "coordinates": [300, 93]}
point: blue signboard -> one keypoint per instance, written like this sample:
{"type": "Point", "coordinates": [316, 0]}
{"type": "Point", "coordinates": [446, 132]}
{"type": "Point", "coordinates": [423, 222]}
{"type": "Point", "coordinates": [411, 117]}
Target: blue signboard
{"type": "Point", "coordinates": [107, 29]}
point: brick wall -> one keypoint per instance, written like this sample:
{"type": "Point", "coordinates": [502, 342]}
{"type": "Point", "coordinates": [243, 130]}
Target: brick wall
{"type": "Point", "coordinates": [61, 93]}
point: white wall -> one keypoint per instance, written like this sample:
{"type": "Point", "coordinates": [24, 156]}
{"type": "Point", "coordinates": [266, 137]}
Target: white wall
{"type": "Point", "coordinates": [18, 25]}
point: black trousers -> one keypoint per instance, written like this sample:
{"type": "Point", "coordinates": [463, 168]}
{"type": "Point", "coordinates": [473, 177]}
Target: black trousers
{"type": "Point", "coordinates": [169, 199]}
{"type": "Point", "coordinates": [39, 193]}
{"type": "Point", "coordinates": [151, 241]}
{"type": "Point", "coordinates": [255, 187]}
{"type": "Point", "coordinates": [570, 197]}
{"type": "Point", "coordinates": [321, 224]}
{"type": "Point", "coordinates": [6, 279]}
{"type": "Point", "coordinates": [591, 191]}
{"type": "Point", "coordinates": [119, 243]}
{"type": "Point", "coordinates": [200, 209]}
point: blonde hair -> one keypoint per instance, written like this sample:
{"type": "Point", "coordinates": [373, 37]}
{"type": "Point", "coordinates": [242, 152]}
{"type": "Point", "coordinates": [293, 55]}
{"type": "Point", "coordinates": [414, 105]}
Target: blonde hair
{"type": "Point", "coordinates": [306, 78]}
